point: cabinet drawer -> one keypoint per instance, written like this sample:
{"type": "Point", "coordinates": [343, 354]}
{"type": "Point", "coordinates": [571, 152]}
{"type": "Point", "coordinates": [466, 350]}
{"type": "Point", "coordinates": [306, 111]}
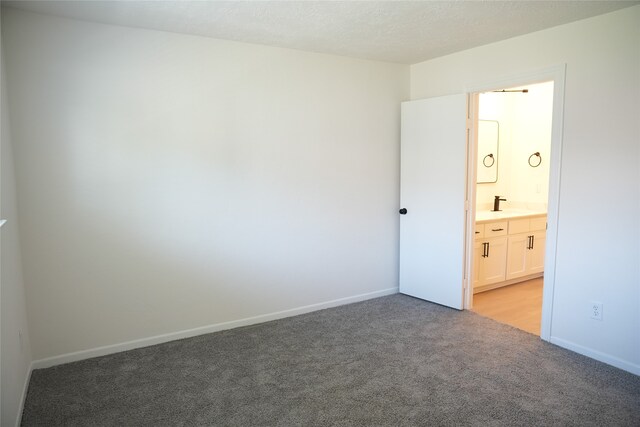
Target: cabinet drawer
{"type": "Point", "coordinates": [517, 226]}
{"type": "Point", "coordinates": [538, 224]}
{"type": "Point", "coordinates": [479, 231]}
{"type": "Point", "coordinates": [493, 229]}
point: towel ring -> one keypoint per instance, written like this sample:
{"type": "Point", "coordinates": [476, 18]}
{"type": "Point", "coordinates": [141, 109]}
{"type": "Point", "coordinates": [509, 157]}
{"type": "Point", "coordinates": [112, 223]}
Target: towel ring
{"type": "Point", "coordinates": [485, 161]}
{"type": "Point", "coordinates": [537, 154]}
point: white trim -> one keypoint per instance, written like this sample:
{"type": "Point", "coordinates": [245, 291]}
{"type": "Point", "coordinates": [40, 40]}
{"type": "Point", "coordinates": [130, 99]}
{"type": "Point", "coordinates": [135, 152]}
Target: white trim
{"type": "Point", "coordinates": [159, 339]}
{"type": "Point", "coordinates": [509, 282]}
{"type": "Point", "coordinates": [556, 74]}
{"type": "Point", "coordinates": [539, 75]}
{"type": "Point", "coordinates": [553, 210]}
{"type": "Point", "coordinates": [472, 158]}
{"type": "Point", "coordinates": [602, 357]}
{"type": "Point", "coordinates": [23, 398]}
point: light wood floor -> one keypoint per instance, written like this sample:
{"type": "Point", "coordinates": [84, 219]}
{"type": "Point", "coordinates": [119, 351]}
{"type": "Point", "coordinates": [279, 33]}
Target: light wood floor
{"type": "Point", "coordinates": [518, 305]}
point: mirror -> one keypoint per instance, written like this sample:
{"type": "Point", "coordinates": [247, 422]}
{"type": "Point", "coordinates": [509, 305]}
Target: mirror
{"type": "Point", "coordinates": [488, 139]}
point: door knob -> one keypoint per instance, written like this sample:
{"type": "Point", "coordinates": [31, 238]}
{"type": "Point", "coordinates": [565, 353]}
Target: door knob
{"type": "Point", "coordinates": [403, 211]}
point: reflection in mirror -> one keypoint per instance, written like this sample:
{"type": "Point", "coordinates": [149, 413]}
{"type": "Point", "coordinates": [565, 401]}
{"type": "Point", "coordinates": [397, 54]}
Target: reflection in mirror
{"type": "Point", "coordinates": [488, 131]}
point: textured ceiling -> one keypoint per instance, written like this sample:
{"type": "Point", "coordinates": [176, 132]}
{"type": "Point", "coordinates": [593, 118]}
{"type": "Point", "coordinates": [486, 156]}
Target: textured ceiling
{"type": "Point", "coordinates": [395, 31]}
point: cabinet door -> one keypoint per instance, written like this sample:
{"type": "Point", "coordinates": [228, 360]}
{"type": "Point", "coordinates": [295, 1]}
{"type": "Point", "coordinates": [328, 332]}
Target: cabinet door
{"type": "Point", "coordinates": [477, 263]}
{"type": "Point", "coordinates": [517, 256]}
{"type": "Point", "coordinates": [535, 256]}
{"type": "Point", "coordinates": [494, 266]}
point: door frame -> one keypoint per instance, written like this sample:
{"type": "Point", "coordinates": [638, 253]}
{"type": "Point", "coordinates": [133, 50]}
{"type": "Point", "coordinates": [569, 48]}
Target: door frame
{"type": "Point", "coordinates": [557, 75]}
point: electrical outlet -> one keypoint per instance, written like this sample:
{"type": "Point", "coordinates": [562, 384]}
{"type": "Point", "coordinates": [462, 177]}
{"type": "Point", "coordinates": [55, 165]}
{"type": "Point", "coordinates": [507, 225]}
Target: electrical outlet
{"type": "Point", "coordinates": [596, 310]}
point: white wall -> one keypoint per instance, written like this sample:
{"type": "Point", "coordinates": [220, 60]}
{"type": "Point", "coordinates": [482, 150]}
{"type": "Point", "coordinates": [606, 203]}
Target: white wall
{"type": "Point", "coordinates": [598, 246]}
{"type": "Point", "coordinates": [15, 350]}
{"type": "Point", "coordinates": [525, 128]}
{"type": "Point", "coordinates": [169, 182]}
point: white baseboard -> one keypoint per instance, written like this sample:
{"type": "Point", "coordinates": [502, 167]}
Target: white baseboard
{"type": "Point", "coordinates": [506, 283]}
{"type": "Point", "coordinates": [159, 339]}
{"type": "Point", "coordinates": [602, 357]}
{"type": "Point", "coordinates": [23, 398]}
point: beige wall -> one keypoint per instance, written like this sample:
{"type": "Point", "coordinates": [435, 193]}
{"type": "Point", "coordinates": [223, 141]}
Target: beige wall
{"type": "Point", "coordinates": [598, 246]}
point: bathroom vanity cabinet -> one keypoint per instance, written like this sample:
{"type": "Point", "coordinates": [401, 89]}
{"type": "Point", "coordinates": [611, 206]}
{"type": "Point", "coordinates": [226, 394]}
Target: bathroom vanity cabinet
{"type": "Point", "coordinates": [490, 253]}
{"type": "Point", "coordinates": [508, 251]}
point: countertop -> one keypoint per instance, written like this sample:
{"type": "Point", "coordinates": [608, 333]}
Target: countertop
{"type": "Point", "coordinates": [487, 215]}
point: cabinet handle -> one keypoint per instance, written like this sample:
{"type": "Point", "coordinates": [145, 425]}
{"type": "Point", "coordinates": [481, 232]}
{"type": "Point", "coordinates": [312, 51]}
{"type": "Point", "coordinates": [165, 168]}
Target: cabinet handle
{"type": "Point", "coordinates": [484, 250]}
{"type": "Point", "coordinates": [487, 249]}
{"type": "Point", "coordinates": [477, 232]}
{"type": "Point", "coordinates": [497, 229]}
{"type": "Point", "coordinates": [530, 243]}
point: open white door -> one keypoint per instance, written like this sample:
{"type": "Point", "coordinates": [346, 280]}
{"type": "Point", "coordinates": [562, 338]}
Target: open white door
{"type": "Point", "coordinates": [433, 192]}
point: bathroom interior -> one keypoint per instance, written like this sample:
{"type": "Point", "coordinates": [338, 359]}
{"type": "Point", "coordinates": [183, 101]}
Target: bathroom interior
{"type": "Point", "coordinates": [512, 191]}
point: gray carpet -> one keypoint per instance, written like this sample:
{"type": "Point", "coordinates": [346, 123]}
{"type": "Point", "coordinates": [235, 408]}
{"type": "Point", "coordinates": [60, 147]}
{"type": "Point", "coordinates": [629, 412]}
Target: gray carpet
{"type": "Point", "coordinates": [389, 361]}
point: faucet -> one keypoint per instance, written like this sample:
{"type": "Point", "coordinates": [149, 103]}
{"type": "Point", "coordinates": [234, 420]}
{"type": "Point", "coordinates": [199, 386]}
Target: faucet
{"type": "Point", "coordinates": [496, 203]}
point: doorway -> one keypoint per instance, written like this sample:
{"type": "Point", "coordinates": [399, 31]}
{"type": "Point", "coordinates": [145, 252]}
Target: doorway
{"type": "Point", "coordinates": [438, 196]}
{"type": "Point", "coordinates": [521, 294]}
{"type": "Point", "coordinates": [513, 148]}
